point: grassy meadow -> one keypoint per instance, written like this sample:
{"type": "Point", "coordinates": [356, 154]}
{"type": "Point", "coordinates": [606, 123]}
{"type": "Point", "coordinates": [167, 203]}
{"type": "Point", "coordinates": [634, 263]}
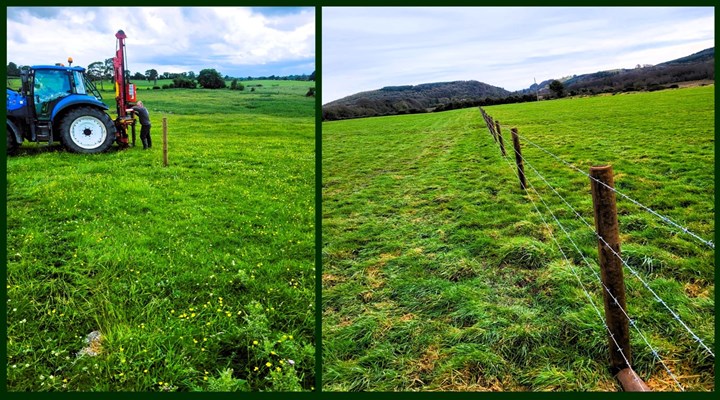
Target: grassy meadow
{"type": "Point", "coordinates": [438, 273]}
{"type": "Point", "coordinates": [199, 276]}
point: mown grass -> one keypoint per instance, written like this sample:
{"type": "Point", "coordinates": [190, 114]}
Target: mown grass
{"type": "Point", "coordinates": [199, 276]}
{"type": "Point", "coordinates": [438, 273]}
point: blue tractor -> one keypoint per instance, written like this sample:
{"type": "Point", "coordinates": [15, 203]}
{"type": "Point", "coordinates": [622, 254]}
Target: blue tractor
{"type": "Point", "coordinates": [58, 103]}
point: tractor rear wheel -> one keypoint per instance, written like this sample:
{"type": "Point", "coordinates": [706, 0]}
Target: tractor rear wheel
{"type": "Point", "coordinates": [12, 144]}
{"type": "Point", "coordinates": [87, 130]}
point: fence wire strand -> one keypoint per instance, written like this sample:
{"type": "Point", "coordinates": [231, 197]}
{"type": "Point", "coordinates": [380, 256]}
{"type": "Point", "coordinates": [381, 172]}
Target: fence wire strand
{"type": "Point", "coordinates": [594, 272]}
{"type": "Point", "coordinates": [574, 272]}
{"type": "Point", "coordinates": [624, 262]}
{"type": "Point", "coordinates": [637, 203]}
{"type": "Point", "coordinates": [632, 270]}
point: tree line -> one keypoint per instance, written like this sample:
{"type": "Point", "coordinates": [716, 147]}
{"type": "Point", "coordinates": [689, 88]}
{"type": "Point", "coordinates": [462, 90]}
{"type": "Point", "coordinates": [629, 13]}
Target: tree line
{"type": "Point", "coordinates": [642, 78]}
{"type": "Point", "coordinates": [373, 108]}
{"type": "Point", "coordinates": [208, 78]}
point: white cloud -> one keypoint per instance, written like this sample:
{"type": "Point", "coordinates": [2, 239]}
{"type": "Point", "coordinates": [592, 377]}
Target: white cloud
{"type": "Point", "coordinates": [164, 38]}
{"type": "Point", "coordinates": [260, 38]}
{"type": "Point", "coordinates": [367, 48]}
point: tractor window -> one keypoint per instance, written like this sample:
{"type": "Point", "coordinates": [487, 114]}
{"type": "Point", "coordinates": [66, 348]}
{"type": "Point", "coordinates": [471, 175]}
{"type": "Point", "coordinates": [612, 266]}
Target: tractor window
{"type": "Point", "coordinates": [79, 82]}
{"type": "Point", "coordinates": [49, 85]}
{"type": "Point", "coordinates": [87, 85]}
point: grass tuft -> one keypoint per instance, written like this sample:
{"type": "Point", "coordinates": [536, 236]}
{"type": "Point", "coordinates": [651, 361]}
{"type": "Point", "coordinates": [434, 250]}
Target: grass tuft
{"type": "Point", "coordinates": [524, 253]}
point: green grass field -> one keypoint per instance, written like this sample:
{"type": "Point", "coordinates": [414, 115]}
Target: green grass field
{"type": "Point", "coordinates": [252, 87]}
{"type": "Point", "coordinates": [199, 275]}
{"type": "Point", "coordinates": [438, 273]}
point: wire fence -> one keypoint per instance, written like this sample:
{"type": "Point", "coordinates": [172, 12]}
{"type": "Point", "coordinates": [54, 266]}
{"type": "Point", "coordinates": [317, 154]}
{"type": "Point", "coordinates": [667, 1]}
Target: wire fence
{"type": "Point", "coordinates": [495, 131]}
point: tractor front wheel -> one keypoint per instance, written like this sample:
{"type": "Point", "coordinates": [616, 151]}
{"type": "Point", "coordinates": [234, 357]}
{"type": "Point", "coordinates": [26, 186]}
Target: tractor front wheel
{"type": "Point", "coordinates": [87, 130]}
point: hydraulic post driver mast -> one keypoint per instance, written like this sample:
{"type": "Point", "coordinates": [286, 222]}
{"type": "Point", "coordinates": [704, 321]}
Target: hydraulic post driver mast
{"type": "Point", "coordinates": [125, 92]}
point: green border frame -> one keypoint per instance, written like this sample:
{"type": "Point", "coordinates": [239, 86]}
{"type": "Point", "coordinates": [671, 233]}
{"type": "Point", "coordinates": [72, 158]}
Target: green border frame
{"type": "Point", "coordinates": [318, 4]}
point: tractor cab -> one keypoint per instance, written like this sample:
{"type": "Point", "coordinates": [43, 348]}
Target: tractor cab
{"type": "Point", "coordinates": [58, 103]}
{"type": "Point", "coordinates": [47, 86]}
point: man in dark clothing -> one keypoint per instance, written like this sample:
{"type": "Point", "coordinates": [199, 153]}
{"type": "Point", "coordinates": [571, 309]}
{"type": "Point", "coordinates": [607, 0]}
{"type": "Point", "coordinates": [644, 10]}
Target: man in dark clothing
{"type": "Point", "coordinates": [144, 117]}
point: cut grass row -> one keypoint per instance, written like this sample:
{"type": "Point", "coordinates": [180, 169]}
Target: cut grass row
{"type": "Point", "coordinates": [438, 274]}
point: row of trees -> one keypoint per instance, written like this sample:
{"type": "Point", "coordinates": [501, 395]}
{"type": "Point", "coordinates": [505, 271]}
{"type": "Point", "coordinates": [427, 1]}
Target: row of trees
{"type": "Point", "coordinates": [649, 78]}
{"type": "Point", "coordinates": [302, 77]}
{"type": "Point", "coordinates": [209, 78]}
{"type": "Point", "coordinates": [12, 69]}
{"type": "Point", "coordinates": [371, 108]}
{"type": "Point", "coordinates": [641, 78]}
{"type": "Point", "coordinates": [103, 70]}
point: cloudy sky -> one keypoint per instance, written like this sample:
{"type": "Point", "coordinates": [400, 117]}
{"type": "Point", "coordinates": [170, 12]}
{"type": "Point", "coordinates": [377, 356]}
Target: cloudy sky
{"type": "Point", "coordinates": [369, 48]}
{"type": "Point", "coordinates": [235, 41]}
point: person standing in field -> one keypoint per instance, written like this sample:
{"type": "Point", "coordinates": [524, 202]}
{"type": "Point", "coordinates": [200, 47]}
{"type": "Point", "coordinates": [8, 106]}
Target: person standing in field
{"type": "Point", "coordinates": [144, 117]}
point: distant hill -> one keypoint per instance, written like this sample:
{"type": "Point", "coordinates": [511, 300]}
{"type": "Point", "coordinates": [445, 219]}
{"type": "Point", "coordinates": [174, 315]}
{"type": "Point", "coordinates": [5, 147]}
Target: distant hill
{"type": "Point", "coordinates": [410, 99]}
{"type": "Point", "coordinates": [695, 67]}
{"type": "Point", "coordinates": [429, 97]}
{"type": "Point", "coordinates": [707, 55]}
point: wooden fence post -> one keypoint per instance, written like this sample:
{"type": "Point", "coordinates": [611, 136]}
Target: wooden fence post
{"type": "Point", "coordinates": [486, 118]}
{"type": "Point", "coordinates": [491, 127]}
{"type": "Point", "coordinates": [500, 138]}
{"type": "Point", "coordinates": [165, 143]}
{"type": "Point", "coordinates": [518, 158]}
{"type": "Point", "coordinates": [611, 268]}
{"type": "Point", "coordinates": [611, 274]}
